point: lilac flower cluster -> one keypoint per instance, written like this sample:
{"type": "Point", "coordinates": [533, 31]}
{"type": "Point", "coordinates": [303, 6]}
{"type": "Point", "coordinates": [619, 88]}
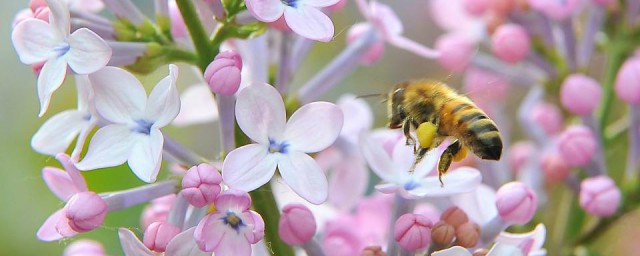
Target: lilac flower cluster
{"type": "Point", "coordinates": [293, 174]}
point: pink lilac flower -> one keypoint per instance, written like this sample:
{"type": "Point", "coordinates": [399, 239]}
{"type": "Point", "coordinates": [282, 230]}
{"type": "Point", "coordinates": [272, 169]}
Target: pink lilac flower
{"type": "Point", "coordinates": [580, 94]}
{"type": "Point", "coordinates": [577, 145]}
{"type": "Point", "coordinates": [157, 210]}
{"type": "Point", "coordinates": [516, 202]}
{"type": "Point", "coordinates": [510, 42]}
{"type": "Point", "coordinates": [201, 185]}
{"type": "Point", "coordinates": [158, 235]}
{"type": "Point", "coordinates": [182, 244]}
{"type": "Point", "coordinates": [393, 168]}
{"type": "Point", "coordinates": [84, 247]}
{"type": "Point", "coordinates": [452, 16]}
{"type": "Point", "coordinates": [412, 231]}
{"type": "Point", "coordinates": [223, 74]}
{"type": "Point", "coordinates": [627, 81]}
{"type": "Point", "coordinates": [134, 134]}
{"type": "Point", "coordinates": [232, 228]}
{"type": "Point", "coordinates": [302, 16]}
{"type": "Point", "coordinates": [38, 41]}
{"type": "Point", "coordinates": [600, 196]}
{"type": "Point", "coordinates": [261, 115]}
{"type": "Point", "coordinates": [297, 225]}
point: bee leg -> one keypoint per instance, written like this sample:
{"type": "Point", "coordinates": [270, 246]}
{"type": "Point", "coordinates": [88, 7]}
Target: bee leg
{"type": "Point", "coordinates": [447, 157]}
{"type": "Point", "coordinates": [406, 129]}
{"type": "Point", "coordinates": [419, 155]}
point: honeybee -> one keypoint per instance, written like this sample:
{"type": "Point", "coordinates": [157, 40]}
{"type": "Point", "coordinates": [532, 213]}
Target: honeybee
{"type": "Point", "coordinates": [435, 111]}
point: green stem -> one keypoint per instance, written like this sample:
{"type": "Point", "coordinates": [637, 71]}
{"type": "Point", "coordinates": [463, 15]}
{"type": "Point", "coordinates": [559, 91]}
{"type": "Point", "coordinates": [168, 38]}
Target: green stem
{"type": "Point", "coordinates": [617, 53]}
{"type": "Point", "coordinates": [199, 36]}
{"type": "Point", "coordinates": [265, 204]}
{"type": "Point", "coordinates": [223, 31]}
{"type": "Point", "coordinates": [175, 54]}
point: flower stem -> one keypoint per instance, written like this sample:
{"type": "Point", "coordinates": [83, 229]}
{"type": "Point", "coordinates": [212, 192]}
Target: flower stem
{"type": "Point", "coordinates": [616, 55]}
{"type": "Point", "coordinates": [198, 33]}
{"type": "Point", "coordinates": [265, 204]}
{"type": "Point", "coordinates": [120, 200]}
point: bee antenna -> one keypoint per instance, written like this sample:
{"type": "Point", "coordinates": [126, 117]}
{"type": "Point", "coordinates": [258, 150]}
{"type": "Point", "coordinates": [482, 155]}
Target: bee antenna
{"type": "Point", "coordinates": [369, 95]}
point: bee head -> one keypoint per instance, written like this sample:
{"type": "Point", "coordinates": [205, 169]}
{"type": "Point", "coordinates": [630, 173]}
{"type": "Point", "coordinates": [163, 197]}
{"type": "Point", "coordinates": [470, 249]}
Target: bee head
{"type": "Point", "coordinates": [395, 109]}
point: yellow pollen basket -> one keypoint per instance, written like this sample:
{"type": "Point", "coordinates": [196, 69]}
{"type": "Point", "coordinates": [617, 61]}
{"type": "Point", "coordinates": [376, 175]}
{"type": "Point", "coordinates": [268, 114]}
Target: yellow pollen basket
{"type": "Point", "coordinates": [426, 132]}
{"type": "Point", "coordinates": [460, 155]}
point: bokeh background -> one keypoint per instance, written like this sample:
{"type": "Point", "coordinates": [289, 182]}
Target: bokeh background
{"type": "Point", "coordinates": [27, 202]}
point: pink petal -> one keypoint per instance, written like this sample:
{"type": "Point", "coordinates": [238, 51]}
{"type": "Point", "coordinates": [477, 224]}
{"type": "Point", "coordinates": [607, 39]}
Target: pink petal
{"type": "Point", "coordinates": [131, 245]}
{"type": "Point", "coordinates": [86, 5]}
{"type": "Point", "coordinates": [309, 22]}
{"type": "Point", "coordinates": [184, 245]}
{"type": "Point", "coordinates": [303, 131]}
{"type": "Point", "coordinates": [234, 200]}
{"type": "Point", "coordinates": [110, 146]}
{"type": "Point", "coordinates": [34, 41]}
{"type": "Point", "coordinates": [257, 232]}
{"type": "Point", "coordinates": [55, 135]}
{"type": "Point", "coordinates": [197, 105]}
{"type": "Point", "coordinates": [72, 171]}
{"type": "Point", "coordinates": [47, 231]}
{"type": "Point", "coordinates": [387, 188]}
{"type": "Point", "coordinates": [146, 155]}
{"type": "Point", "coordinates": [318, 3]}
{"type": "Point", "coordinates": [248, 167]}
{"type": "Point", "coordinates": [260, 113]}
{"type": "Point", "coordinates": [517, 239]}
{"type": "Point", "coordinates": [265, 10]}
{"type": "Point", "coordinates": [88, 52]}
{"type": "Point", "coordinates": [210, 231]}
{"type": "Point", "coordinates": [304, 176]}
{"type": "Point", "coordinates": [357, 117]}
{"type": "Point", "coordinates": [59, 16]}
{"type": "Point", "coordinates": [377, 158]}
{"type": "Point", "coordinates": [59, 183]}
{"type": "Point", "coordinates": [50, 78]}
{"type": "Point", "coordinates": [461, 180]}
{"type": "Point", "coordinates": [414, 47]}
{"type": "Point", "coordinates": [348, 182]}
{"type": "Point", "coordinates": [479, 204]}
{"type": "Point", "coordinates": [453, 251]}
{"type": "Point", "coordinates": [231, 244]}
{"type": "Point", "coordinates": [382, 15]}
{"type": "Point", "coordinates": [119, 96]}
{"type": "Point", "coordinates": [163, 104]}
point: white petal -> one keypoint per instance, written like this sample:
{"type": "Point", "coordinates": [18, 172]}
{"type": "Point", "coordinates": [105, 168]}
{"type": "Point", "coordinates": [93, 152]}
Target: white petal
{"type": "Point", "coordinates": [110, 146]}
{"type": "Point", "coordinates": [479, 204]}
{"type": "Point", "coordinates": [453, 251]}
{"type": "Point", "coordinates": [248, 167]}
{"type": "Point", "coordinates": [265, 10]}
{"type": "Point", "coordinates": [377, 158]}
{"type": "Point", "coordinates": [461, 180]}
{"type": "Point", "coordinates": [131, 245]}
{"type": "Point", "coordinates": [88, 52]}
{"type": "Point", "coordinates": [357, 117]}
{"type": "Point", "coordinates": [318, 3]}
{"type": "Point", "coordinates": [387, 188]}
{"type": "Point", "coordinates": [517, 239]}
{"type": "Point", "coordinates": [119, 96]}
{"type": "Point", "coordinates": [309, 22]}
{"type": "Point", "coordinates": [55, 135]}
{"type": "Point", "coordinates": [260, 112]}
{"type": "Point", "coordinates": [314, 127]}
{"type": "Point", "coordinates": [500, 249]}
{"type": "Point", "coordinates": [146, 155]}
{"type": "Point", "coordinates": [59, 16]}
{"type": "Point", "coordinates": [50, 78]}
{"type": "Point", "coordinates": [304, 176]}
{"type": "Point", "coordinates": [35, 41]}
{"type": "Point", "coordinates": [163, 104]}
{"type": "Point", "coordinates": [403, 158]}
{"type": "Point", "coordinates": [197, 105]}
{"type": "Point", "coordinates": [184, 245]}
{"type": "Point", "coordinates": [85, 92]}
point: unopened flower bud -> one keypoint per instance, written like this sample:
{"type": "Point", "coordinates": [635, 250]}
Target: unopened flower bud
{"type": "Point", "coordinates": [223, 74]}
{"type": "Point", "coordinates": [412, 231]}
{"type": "Point", "coordinates": [157, 210]}
{"type": "Point", "coordinates": [516, 202]}
{"type": "Point", "coordinates": [628, 82]}
{"type": "Point", "coordinates": [599, 196]}
{"type": "Point", "coordinates": [476, 7]}
{"type": "Point", "coordinates": [510, 42]}
{"type": "Point", "coordinates": [443, 233]}
{"type": "Point", "coordinates": [297, 224]}
{"type": "Point", "coordinates": [84, 247]}
{"type": "Point", "coordinates": [454, 216]}
{"type": "Point", "coordinates": [158, 235]}
{"type": "Point", "coordinates": [201, 185]}
{"type": "Point", "coordinates": [555, 168]}
{"type": "Point", "coordinates": [373, 251]}
{"type": "Point", "coordinates": [548, 116]}
{"type": "Point", "coordinates": [455, 50]}
{"type": "Point", "coordinates": [519, 154]}
{"type": "Point", "coordinates": [577, 145]}
{"type": "Point", "coordinates": [468, 235]}
{"type": "Point", "coordinates": [580, 94]}
{"type": "Point", "coordinates": [86, 211]}
{"type": "Point", "coordinates": [374, 52]}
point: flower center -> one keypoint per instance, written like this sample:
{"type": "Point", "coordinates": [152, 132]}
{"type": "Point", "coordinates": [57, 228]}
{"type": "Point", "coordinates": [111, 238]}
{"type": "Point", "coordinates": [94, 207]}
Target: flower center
{"type": "Point", "coordinates": [278, 147]}
{"type": "Point", "coordinates": [411, 185]}
{"type": "Point", "coordinates": [290, 3]}
{"type": "Point", "coordinates": [233, 220]}
{"type": "Point", "coordinates": [62, 49]}
{"type": "Point", "coordinates": [143, 126]}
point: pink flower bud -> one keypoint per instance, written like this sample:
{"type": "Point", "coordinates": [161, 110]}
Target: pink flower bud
{"type": "Point", "coordinates": [476, 7]}
{"type": "Point", "coordinates": [412, 231]}
{"type": "Point", "coordinates": [37, 4]}
{"type": "Point", "coordinates": [577, 145]}
{"type": "Point", "coordinates": [484, 85]}
{"type": "Point", "coordinates": [157, 210]}
{"type": "Point", "coordinates": [374, 52]}
{"type": "Point", "coordinates": [158, 235]}
{"type": "Point", "coordinates": [84, 247]}
{"type": "Point", "coordinates": [519, 154]}
{"type": "Point", "coordinates": [555, 168]}
{"type": "Point", "coordinates": [516, 202]}
{"type": "Point", "coordinates": [548, 116]}
{"type": "Point", "coordinates": [297, 224]}
{"type": "Point", "coordinates": [223, 74]}
{"type": "Point", "coordinates": [510, 42]}
{"type": "Point", "coordinates": [455, 50]}
{"type": "Point", "coordinates": [580, 94]}
{"type": "Point", "coordinates": [342, 240]}
{"type": "Point", "coordinates": [628, 81]}
{"type": "Point", "coordinates": [557, 10]}
{"type": "Point", "coordinates": [86, 211]}
{"type": "Point", "coordinates": [201, 185]}
{"type": "Point", "coordinates": [599, 196]}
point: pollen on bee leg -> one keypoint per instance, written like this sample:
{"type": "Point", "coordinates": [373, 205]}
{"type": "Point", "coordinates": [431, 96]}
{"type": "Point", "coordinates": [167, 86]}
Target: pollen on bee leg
{"type": "Point", "coordinates": [426, 132]}
{"type": "Point", "coordinates": [462, 153]}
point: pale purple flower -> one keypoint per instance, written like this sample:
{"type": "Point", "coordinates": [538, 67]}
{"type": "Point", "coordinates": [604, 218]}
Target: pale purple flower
{"type": "Point", "coordinates": [232, 228]}
{"type": "Point", "coordinates": [37, 41]}
{"type": "Point", "coordinates": [302, 16]}
{"type": "Point", "coordinates": [135, 133]}
{"type": "Point", "coordinates": [182, 244]}
{"type": "Point", "coordinates": [261, 116]}
{"type": "Point", "coordinates": [452, 16]}
{"type": "Point", "coordinates": [529, 243]}
{"type": "Point", "coordinates": [393, 168]}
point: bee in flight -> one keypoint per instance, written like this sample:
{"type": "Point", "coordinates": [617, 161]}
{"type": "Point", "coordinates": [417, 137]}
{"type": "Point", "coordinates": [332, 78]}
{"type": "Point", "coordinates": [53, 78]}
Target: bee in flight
{"type": "Point", "coordinates": [435, 112]}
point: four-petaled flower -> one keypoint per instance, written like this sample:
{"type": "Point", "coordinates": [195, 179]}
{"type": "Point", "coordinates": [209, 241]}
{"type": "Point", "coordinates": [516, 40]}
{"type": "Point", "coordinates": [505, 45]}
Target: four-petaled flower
{"type": "Point", "coordinates": [37, 41]}
{"type": "Point", "coordinates": [134, 134]}
{"type": "Point", "coordinates": [261, 115]}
